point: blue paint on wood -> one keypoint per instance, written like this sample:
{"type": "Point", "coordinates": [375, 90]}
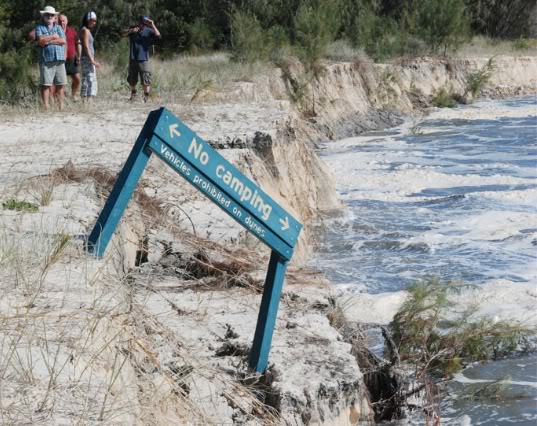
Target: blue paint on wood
{"type": "Point", "coordinates": [123, 189]}
{"type": "Point", "coordinates": [218, 196]}
{"type": "Point", "coordinates": [268, 312]}
{"type": "Point", "coordinates": [204, 168]}
{"type": "Point", "coordinates": [218, 170]}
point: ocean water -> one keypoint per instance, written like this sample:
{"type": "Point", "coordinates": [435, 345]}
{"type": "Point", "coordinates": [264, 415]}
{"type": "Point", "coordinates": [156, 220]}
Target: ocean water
{"type": "Point", "coordinates": [452, 195]}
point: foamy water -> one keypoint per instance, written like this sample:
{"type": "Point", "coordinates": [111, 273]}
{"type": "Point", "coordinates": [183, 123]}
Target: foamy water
{"type": "Point", "coordinates": [457, 200]}
{"type": "Point", "coordinates": [454, 197]}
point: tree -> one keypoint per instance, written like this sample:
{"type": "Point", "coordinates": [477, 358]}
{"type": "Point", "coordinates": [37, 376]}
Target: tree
{"type": "Point", "coordinates": [316, 25]}
{"type": "Point", "coordinates": [442, 24]}
{"type": "Point", "coordinates": [501, 18]}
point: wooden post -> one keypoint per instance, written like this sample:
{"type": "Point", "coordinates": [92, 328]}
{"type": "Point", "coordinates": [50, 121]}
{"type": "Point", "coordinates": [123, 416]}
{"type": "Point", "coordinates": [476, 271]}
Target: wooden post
{"type": "Point", "coordinates": [123, 189]}
{"type": "Point", "coordinates": [268, 312]}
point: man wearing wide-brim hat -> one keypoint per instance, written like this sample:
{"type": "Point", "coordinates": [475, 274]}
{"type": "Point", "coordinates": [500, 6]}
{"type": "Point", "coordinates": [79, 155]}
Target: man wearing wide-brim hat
{"type": "Point", "coordinates": [51, 41]}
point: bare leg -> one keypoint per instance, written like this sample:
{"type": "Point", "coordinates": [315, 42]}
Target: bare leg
{"type": "Point", "coordinates": [75, 84]}
{"type": "Point", "coordinates": [45, 94]}
{"type": "Point", "coordinates": [147, 89]}
{"type": "Point", "coordinates": [52, 92]}
{"type": "Point", "coordinates": [59, 93]}
{"type": "Point", "coordinates": [133, 92]}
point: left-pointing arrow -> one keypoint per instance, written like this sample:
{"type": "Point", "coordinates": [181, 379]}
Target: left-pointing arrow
{"type": "Point", "coordinates": [174, 131]}
{"type": "Point", "coordinates": [285, 223]}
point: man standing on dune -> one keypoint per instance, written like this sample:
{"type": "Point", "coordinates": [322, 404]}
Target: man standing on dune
{"type": "Point", "coordinates": [51, 41]}
{"type": "Point", "coordinates": [141, 38]}
{"type": "Point", "coordinates": [72, 56]}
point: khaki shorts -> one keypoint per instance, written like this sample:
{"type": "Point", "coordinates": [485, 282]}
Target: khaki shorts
{"type": "Point", "coordinates": [52, 73]}
{"type": "Point", "coordinates": [140, 69]}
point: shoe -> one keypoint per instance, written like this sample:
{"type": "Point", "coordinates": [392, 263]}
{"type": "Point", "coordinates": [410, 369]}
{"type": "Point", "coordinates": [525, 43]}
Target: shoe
{"type": "Point", "coordinates": [146, 97]}
{"type": "Point", "coordinates": [133, 96]}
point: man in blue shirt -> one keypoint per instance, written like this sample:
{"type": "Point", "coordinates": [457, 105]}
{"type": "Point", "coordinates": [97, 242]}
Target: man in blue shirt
{"type": "Point", "coordinates": [141, 38]}
{"type": "Point", "coordinates": [51, 41]}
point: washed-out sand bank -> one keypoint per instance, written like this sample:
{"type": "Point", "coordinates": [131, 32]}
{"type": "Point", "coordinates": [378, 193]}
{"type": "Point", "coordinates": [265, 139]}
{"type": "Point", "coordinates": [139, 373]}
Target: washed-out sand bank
{"type": "Point", "coordinates": [165, 343]}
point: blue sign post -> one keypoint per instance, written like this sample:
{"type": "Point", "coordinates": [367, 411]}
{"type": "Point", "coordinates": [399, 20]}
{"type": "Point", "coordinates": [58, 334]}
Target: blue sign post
{"type": "Point", "coordinates": [221, 182]}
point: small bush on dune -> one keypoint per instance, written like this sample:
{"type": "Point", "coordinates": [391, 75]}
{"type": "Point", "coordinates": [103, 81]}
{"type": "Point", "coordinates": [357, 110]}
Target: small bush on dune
{"type": "Point", "coordinates": [524, 44]}
{"type": "Point", "coordinates": [443, 99]}
{"type": "Point", "coordinates": [342, 50]}
{"type": "Point", "coordinates": [439, 342]}
{"type": "Point", "coordinates": [21, 206]}
{"type": "Point", "coordinates": [476, 81]}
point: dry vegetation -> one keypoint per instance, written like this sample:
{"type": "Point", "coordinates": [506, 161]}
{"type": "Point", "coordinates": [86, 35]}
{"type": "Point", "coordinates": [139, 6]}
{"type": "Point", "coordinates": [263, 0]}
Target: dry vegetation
{"type": "Point", "coordinates": [78, 346]}
{"type": "Point", "coordinates": [181, 80]}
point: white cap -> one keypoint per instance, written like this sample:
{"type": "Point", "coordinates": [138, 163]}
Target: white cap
{"type": "Point", "coordinates": [50, 10]}
{"type": "Point", "coordinates": [91, 15]}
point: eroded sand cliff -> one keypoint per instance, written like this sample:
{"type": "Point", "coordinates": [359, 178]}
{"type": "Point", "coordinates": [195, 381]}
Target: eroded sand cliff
{"type": "Point", "coordinates": [165, 342]}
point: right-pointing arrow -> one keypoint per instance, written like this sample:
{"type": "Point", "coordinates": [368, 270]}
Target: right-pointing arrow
{"type": "Point", "coordinates": [285, 223]}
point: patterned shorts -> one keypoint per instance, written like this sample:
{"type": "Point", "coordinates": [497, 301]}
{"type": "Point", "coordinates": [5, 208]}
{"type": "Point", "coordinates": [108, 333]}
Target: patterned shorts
{"type": "Point", "coordinates": [88, 86]}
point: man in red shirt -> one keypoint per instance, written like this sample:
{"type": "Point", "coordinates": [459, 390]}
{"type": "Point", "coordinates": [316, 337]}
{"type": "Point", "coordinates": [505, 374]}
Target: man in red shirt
{"type": "Point", "coordinates": [72, 57]}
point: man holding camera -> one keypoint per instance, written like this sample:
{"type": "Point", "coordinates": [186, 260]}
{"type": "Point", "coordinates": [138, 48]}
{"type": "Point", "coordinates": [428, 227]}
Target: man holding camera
{"type": "Point", "coordinates": [141, 38]}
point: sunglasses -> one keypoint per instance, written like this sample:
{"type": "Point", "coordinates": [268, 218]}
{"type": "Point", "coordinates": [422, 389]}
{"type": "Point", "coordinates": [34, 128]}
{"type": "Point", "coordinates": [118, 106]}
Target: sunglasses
{"type": "Point", "coordinates": [48, 15]}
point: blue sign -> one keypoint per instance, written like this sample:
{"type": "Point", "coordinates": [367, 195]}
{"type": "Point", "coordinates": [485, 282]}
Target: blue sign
{"type": "Point", "coordinates": [222, 174]}
{"type": "Point", "coordinates": [221, 198]}
{"type": "Point", "coordinates": [195, 160]}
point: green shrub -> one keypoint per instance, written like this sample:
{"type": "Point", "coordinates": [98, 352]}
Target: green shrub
{"type": "Point", "coordinates": [442, 342]}
{"type": "Point", "coordinates": [316, 25]}
{"type": "Point", "coordinates": [201, 37]}
{"type": "Point", "coordinates": [17, 78]}
{"type": "Point", "coordinates": [443, 24]}
{"type": "Point", "coordinates": [522, 44]}
{"type": "Point", "coordinates": [342, 50]}
{"type": "Point", "coordinates": [248, 41]}
{"type": "Point", "coordinates": [21, 206]}
{"type": "Point", "coordinates": [116, 54]}
{"type": "Point", "coordinates": [443, 99]}
{"type": "Point", "coordinates": [476, 81]}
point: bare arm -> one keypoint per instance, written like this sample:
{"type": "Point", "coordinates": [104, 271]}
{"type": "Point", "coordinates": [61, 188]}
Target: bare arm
{"type": "Point", "coordinates": [42, 41]}
{"type": "Point", "coordinates": [125, 33]}
{"type": "Point", "coordinates": [85, 47]}
{"type": "Point", "coordinates": [154, 28]}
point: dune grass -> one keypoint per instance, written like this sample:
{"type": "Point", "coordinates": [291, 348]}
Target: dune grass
{"type": "Point", "coordinates": [175, 81]}
{"type": "Point", "coordinates": [481, 46]}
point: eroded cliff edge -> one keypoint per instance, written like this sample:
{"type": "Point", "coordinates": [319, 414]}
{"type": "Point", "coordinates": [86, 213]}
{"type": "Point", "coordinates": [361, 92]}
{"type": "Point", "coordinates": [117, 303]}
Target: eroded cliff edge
{"type": "Point", "coordinates": [348, 99]}
{"type": "Point", "coordinates": [157, 332]}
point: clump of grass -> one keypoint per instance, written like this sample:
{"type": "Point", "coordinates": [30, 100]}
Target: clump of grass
{"type": "Point", "coordinates": [42, 189]}
{"type": "Point", "coordinates": [20, 205]}
{"type": "Point", "coordinates": [343, 51]}
{"type": "Point", "coordinates": [439, 343]}
{"type": "Point", "coordinates": [336, 313]}
{"type": "Point", "coordinates": [523, 44]}
{"type": "Point", "coordinates": [443, 99]}
{"type": "Point", "coordinates": [481, 46]}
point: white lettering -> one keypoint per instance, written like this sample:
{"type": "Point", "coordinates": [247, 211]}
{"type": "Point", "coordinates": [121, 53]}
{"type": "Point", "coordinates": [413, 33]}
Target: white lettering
{"type": "Point", "coordinates": [197, 151]}
{"type": "Point", "coordinates": [245, 193]}
{"type": "Point", "coordinates": [237, 186]}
